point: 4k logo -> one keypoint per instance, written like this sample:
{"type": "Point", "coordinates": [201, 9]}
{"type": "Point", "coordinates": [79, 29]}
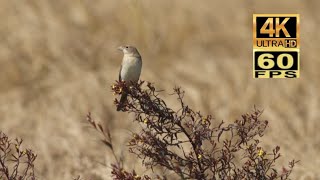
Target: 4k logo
{"type": "Point", "coordinates": [274, 26]}
{"type": "Point", "coordinates": [276, 44]}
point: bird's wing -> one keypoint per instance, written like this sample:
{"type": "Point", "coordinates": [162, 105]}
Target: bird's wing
{"type": "Point", "coordinates": [120, 73]}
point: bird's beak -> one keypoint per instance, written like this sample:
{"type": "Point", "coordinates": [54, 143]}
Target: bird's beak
{"type": "Point", "coordinates": [120, 48]}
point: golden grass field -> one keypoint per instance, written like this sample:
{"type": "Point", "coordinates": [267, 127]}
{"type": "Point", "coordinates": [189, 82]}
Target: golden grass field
{"type": "Point", "coordinates": [58, 60]}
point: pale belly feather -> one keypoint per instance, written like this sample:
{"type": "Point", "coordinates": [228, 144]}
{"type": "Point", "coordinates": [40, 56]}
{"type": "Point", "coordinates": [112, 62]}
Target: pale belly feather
{"type": "Point", "coordinates": [131, 69]}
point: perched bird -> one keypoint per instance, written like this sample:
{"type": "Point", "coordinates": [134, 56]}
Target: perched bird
{"type": "Point", "coordinates": [130, 69]}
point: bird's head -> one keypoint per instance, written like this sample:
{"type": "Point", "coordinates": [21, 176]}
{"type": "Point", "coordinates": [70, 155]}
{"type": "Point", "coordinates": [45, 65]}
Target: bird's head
{"type": "Point", "coordinates": [129, 50]}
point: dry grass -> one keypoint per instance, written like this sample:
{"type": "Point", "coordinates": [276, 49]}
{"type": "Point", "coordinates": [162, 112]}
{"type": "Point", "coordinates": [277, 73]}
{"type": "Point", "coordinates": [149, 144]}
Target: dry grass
{"type": "Point", "coordinates": [58, 59]}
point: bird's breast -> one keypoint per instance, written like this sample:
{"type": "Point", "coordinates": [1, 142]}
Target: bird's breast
{"type": "Point", "coordinates": [131, 69]}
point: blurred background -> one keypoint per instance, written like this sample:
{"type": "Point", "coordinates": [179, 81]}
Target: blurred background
{"type": "Point", "coordinates": [58, 60]}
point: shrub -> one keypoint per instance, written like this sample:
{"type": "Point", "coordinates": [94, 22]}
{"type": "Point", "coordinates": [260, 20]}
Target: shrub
{"type": "Point", "coordinates": [15, 162]}
{"type": "Point", "coordinates": [190, 144]}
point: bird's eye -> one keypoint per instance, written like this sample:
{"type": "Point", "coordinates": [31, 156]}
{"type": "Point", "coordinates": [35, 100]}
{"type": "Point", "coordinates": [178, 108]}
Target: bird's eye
{"type": "Point", "coordinates": [127, 47]}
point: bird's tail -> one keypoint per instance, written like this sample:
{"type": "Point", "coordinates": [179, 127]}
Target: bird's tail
{"type": "Point", "coordinates": [123, 99]}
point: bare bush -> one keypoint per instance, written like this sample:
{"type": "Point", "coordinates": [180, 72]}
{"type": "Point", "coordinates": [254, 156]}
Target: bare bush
{"type": "Point", "coordinates": [190, 144]}
{"type": "Point", "coordinates": [15, 163]}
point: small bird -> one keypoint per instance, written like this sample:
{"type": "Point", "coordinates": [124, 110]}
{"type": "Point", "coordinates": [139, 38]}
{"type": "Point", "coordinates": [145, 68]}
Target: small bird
{"type": "Point", "coordinates": [130, 69]}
